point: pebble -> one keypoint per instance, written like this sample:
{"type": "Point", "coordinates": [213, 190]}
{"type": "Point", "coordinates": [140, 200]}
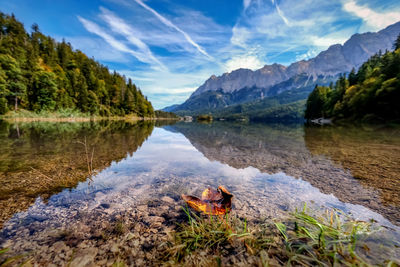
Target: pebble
{"type": "Point", "coordinates": [167, 199]}
{"type": "Point", "coordinates": [84, 258]}
{"type": "Point", "coordinates": [114, 248]}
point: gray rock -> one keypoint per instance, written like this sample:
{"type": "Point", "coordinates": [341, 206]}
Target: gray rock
{"type": "Point", "coordinates": [84, 257]}
{"type": "Point", "coordinates": [167, 199]}
{"type": "Point", "coordinates": [114, 248]}
{"type": "Point", "coordinates": [59, 247]}
{"type": "Point", "coordinates": [154, 219]}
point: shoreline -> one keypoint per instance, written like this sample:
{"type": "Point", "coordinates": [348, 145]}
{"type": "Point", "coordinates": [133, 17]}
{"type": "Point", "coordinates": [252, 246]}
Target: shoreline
{"type": "Point", "coordinates": [79, 119]}
{"type": "Point", "coordinates": [23, 115]}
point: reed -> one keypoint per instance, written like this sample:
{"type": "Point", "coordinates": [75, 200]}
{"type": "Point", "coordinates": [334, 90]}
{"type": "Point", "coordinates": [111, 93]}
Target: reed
{"type": "Point", "coordinates": [89, 157]}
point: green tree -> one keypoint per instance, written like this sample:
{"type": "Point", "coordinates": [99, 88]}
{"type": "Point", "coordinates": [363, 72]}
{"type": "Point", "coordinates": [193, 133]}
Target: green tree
{"type": "Point", "coordinates": [315, 106]}
{"type": "Point", "coordinates": [396, 44]}
{"type": "Point", "coordinates": [352, 77]}
{"type": "Point", "coordinates": [44, 88]}
{"type": "Point", "coordinates": [81, 90]}
{"type": "Point", "coordinates": [93, 103]}
{"type": "Point", "coordinates": [3, 92]}
{"type": "Point", "coordinates": [16, 86]}
{"type": "Point", "coordinates": [372, 93]}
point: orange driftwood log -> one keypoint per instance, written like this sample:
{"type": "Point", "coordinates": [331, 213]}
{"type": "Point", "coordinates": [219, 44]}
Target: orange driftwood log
{"type": "Point", "coordinates": [212, 202]}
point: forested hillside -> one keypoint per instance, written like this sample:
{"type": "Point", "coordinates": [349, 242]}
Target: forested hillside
{"type": "Point", "coordinates": [38, 73]}
{"type": "Point", "coordinates": [372, 93]}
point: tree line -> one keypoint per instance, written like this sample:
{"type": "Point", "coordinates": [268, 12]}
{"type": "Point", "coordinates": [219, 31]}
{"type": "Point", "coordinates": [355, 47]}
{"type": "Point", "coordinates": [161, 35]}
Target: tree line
{"type": "Point", "coordinates": [165, 114]}
{"type": "Point", "coordinates": [38, 73]}
{"type": "Point", "coordinates": [372, 93]}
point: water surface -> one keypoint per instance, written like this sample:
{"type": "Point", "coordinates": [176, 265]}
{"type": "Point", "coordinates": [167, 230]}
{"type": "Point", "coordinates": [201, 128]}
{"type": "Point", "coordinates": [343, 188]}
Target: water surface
{"type": "Point", "coordinates": [270, 169]}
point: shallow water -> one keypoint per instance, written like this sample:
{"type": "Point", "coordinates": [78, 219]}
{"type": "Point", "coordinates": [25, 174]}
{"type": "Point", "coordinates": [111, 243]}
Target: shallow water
{"type": "Point", "coordinates": [270, 169]}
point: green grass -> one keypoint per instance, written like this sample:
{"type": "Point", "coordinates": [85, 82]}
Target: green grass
{"type": "Point", "coordinates": [203, 240]}
{"type": "Point", "coordinates": [330, 239]}
{"type": "Point", "coordinates": [211, 232]}
{"type": "Point", "coordinates": [67, 113]}
{"type": "Point", "coordinates": [61, 113]}
{"type": "Point", "coordinates": [322, 240]}
{"type": "Point", "coordinates": [10, 261]}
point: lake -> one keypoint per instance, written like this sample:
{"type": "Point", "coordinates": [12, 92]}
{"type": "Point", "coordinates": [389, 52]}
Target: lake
{"type": "Point", "coordinates": [66, 185]}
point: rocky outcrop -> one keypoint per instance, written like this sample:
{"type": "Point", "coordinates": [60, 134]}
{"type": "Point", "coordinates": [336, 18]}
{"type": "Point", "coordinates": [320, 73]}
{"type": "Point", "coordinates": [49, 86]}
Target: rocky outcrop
{"type": "Point", "coordinates": [245, 78]}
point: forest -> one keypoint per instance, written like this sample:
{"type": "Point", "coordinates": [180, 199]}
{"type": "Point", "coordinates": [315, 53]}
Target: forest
{"type": "Point", "coordinates": [370, 94]}
{"type": "Point", "coordinates": [37, 73]}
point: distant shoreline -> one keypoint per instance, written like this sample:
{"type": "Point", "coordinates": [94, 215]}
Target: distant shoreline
{"type": "Point", "coordinates": [79, 119]}
{"type": "Point", "coordinates": [28, 116]}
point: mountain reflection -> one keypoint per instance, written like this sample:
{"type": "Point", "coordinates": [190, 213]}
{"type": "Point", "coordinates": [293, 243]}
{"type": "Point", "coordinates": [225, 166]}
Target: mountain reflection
{"type": "Point", "coordinates": [308, 153]}
{"type": "Point", "coordinates": [371, 154]}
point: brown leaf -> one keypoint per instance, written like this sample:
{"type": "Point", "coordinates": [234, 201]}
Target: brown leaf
{"type": "Point", "coordinates": [211, 195]}
{"type": "Point", "coordinates": [212, 202]}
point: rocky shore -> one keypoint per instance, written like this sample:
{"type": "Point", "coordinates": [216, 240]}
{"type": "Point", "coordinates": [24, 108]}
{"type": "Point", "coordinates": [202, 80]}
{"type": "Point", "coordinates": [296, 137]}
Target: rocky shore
{"type": "Point", "coordinates": [93, 227]}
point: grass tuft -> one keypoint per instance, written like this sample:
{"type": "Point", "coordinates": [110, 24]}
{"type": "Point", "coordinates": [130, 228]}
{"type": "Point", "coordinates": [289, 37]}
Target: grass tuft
{"type": "Point", "coordinates": [329, 239]}
{"type": "Point", "coordinates": [323, 240]}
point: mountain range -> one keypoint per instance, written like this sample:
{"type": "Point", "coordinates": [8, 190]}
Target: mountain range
{"type": "Point", "coordinates": [275, 85]}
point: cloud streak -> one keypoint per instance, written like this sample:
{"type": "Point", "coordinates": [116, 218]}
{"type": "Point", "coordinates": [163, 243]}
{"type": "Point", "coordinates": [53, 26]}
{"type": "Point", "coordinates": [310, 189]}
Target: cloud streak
{"type": "Point", "coordinates": [116, 44]}
{"type": "Point", "coordinates": [121, 27]}
{"type": "Point", "coordinates": [173, 26]}
{"type": "Point", "coordinates": [280, 13]}
{"type": "Point", "coordinates": [246, 4]}
{"type": "Point", "coordinates": [374, 19]}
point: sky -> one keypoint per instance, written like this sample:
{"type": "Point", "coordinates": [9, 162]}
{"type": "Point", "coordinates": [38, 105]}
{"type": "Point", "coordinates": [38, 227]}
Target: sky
{"type": "Point", "coordinates": [169, 48]}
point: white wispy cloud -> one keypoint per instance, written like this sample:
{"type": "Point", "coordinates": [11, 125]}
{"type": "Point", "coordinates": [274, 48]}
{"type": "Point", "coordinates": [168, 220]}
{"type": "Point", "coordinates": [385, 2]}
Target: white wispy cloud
{"type": "Point", "coordinates": [186, 70]}
{"type": "Point", "coordinates": [240, 35]}
{"type": "Point", "coordinates": [309, 54]}
{"type": "Point", "coordinates": [290, 28]}
{"type": "Point", "coordinates": [374, 19]}
{"type": "Point", "coordinates": [246, 4]}
{"type": "Point", "coordinates": [325, 41]}
{"type": "Point", "coordinates": [94, 28]}
{"type": "Point", "coordinates": [280, 13]}
{"type": "Point", "coordinates": [120, 26]}
{"type": "Point", "coordinates": [98, 49]}
{"type": "Point", "coordinates": [168, 23]}
{"type": "Point", "coordinates": [243, 61]}
{"type": "Point", "coordinates": [166, 88]}
{"type": "Point", "coordinates": [113, 42]}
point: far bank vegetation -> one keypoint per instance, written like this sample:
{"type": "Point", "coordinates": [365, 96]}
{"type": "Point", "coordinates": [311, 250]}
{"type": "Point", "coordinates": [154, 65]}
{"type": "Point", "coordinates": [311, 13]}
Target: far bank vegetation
{"type": "Point", "coordinates": [370, 94]}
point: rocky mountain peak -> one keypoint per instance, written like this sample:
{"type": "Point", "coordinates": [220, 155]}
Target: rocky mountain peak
{"type": "Point", "coordinates": [329, 63]}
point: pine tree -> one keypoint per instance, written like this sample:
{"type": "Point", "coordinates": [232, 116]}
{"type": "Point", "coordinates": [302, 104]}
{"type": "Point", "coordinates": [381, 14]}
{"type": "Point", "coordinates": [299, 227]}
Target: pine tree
{"type": "Point", "coordinates": [15, 81]}
{"type": "Point", "coordinates": [396, 44]}
{"type": "Point", "coordinates": [352, 77]}
{"type": "Point", "coordinates": [3, 92]}
{"type": "Point", "coordinates": [45, 88]}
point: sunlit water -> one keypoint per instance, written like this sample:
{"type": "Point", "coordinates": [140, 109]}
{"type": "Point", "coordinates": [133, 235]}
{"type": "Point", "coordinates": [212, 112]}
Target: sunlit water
{"type": "Point", "coordinates": [270, 169]}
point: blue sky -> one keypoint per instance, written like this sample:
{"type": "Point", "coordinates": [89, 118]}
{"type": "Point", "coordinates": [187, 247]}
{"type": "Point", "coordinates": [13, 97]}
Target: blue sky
{"type": "Point", "coordinates": [169, 48]}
